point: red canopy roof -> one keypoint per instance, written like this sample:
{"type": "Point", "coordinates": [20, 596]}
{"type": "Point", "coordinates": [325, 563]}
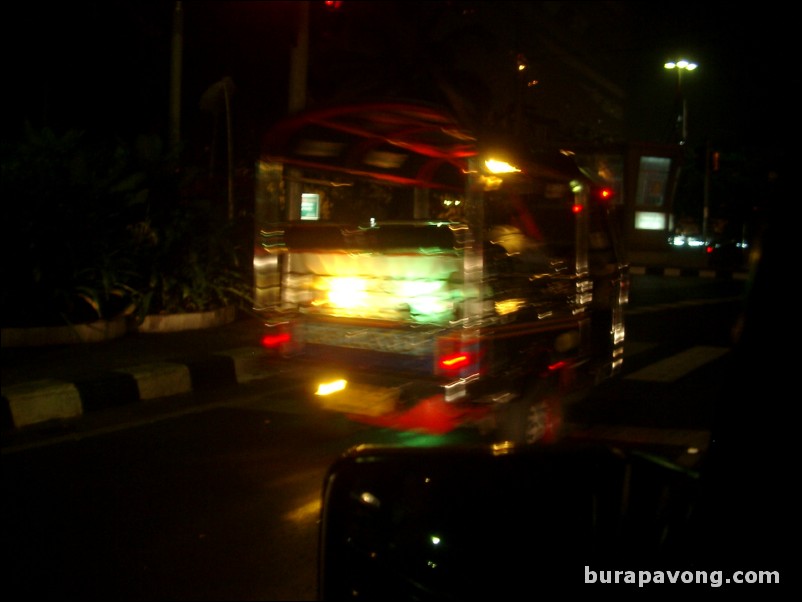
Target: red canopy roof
{"type": "Point", "coordinates": [393, 141]}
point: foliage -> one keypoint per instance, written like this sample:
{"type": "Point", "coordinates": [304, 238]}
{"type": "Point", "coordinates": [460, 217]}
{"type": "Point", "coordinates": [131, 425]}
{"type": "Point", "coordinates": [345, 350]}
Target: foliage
{"type": "Point", "coordinates": [190, 262]}
{"type": "Point", "coordinates": [99, 228]}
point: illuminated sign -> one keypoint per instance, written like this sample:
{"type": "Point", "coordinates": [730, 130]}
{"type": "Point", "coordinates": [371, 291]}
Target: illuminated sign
{"type": "Point", "coordinates": [650, 220]}
{"type": "Point", "coordinates": [310, 206]}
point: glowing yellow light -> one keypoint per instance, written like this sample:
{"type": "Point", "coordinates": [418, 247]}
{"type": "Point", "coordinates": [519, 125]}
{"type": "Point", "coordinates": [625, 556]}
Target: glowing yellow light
{"type": "Point", "coordinates": [331, 387]}
{"type": "Point", "coordinates": [502, 448]}
{"type": "Point", "coordinates": [509, 306]}
{"type": "Point", "coordinates": [491, 182]}
{"type": "Point", "coordinates": [346, 292]}
{"type": "Point", "coordinates": [419, 300]}
{"type": "Point", "coordinates": [495, 166]}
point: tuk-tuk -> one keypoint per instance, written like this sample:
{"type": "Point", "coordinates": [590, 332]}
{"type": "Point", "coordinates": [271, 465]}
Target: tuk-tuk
{"type": "Point", "coordinates": [430, 278]}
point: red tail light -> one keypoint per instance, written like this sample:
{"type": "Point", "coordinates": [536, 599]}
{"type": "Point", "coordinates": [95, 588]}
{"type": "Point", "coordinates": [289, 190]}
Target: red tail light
{"type": "Point", "coordinates": [275, 340]}
{"type": "Point", "coordinates": [603, 194]}
{"type": "Point", "coordinates": [456, 357]}
{"type": "Point", "coordinates": [454, 362]}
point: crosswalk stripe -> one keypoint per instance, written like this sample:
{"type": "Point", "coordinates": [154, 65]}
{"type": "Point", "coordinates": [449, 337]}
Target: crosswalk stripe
{"type": "Point", "coordinates": [677, 366]}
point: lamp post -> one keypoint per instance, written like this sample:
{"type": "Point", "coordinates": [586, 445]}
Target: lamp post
{"type": "Point", "coordinates": [681, 66]}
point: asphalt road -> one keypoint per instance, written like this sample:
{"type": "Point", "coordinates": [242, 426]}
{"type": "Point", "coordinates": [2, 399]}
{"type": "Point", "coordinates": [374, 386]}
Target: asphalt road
{"type": "Point", "coordinates": [215, 495]}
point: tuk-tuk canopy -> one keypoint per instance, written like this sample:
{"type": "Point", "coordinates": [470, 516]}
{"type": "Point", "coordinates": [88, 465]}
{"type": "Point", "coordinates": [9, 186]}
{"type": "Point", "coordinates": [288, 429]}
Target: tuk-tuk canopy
{"type": "Point", "coordinates": [397, 142]}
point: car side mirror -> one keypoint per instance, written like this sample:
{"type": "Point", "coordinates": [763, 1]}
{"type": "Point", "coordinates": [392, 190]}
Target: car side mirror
{"type": "Point", "coordinates": [459, 523]}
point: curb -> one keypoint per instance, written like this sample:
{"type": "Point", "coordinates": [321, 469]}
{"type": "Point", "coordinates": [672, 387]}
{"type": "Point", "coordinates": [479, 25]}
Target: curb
{"type": "Point", "coordinates": [713, 273]}
{"type": "Point", "coordinates": [34, 403]}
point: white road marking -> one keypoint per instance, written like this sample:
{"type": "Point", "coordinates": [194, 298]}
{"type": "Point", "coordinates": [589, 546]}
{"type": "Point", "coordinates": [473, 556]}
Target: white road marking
{"type": "Point", "coordinates": [677, 366]}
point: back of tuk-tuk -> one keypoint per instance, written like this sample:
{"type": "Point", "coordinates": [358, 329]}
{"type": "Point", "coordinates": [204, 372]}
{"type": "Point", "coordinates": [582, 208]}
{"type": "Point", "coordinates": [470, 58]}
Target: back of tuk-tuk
{"type": "Point", "coordinates": [418, 301]}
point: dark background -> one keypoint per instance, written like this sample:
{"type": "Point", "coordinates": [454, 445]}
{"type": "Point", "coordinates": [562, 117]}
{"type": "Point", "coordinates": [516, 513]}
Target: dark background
{"type": "Point", "coordinates": [88, 160]}
{"type": "Point", "coordinates": [106, 65]}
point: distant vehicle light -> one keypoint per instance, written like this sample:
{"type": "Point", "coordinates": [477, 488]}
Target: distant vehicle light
{"type": "Point", "coordinates": [680, 240]}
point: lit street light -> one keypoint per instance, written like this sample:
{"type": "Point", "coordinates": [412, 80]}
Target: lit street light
{"type": "Point", "coordinates": [681, 66]}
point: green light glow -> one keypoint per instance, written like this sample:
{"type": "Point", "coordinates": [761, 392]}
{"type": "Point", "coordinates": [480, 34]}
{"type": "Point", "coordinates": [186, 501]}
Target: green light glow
{"type": "Point", "coordinates": [412, 439]}
{"type": "Point", "coordinates": [416, 288]}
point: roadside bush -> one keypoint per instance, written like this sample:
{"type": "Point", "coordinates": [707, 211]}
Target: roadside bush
{"type": "Point", "coordinates": [99, 228]}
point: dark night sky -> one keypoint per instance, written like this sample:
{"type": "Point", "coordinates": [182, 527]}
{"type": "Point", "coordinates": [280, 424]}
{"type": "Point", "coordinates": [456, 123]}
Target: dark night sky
{"type": "Point", "coordinates": [106, 63]}
{"type": "Point", "coordinates": [745, 86]}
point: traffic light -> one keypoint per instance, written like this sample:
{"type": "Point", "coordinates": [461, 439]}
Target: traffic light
{"type": "Point", "coordinates": [333, 4]}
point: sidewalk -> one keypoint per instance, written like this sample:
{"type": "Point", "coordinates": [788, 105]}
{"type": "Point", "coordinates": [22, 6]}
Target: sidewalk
{"type": "Point", "coordinates": [53, 383]}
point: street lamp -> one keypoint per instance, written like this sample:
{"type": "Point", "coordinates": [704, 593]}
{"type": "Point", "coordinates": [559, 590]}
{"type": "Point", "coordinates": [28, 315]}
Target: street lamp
{"type": "Point", "coordinates": [681, 66]}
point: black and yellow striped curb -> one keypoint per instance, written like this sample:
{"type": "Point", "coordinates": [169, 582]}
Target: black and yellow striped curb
{"type": "Point", "coordinates": [36, 402]}
{"type": "Point", "coordinates": [689, 272]}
